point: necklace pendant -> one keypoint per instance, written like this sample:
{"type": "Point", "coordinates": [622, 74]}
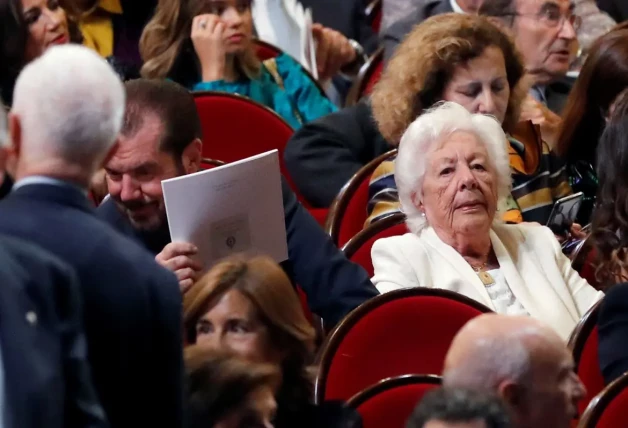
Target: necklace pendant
{"type": "Point", "coordinates": [486, 278]}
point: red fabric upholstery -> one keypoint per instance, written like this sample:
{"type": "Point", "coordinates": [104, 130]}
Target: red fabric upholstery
{"type": "Point", "coordinates": [589, 370]}
{"type": "Point", "coordinates": [608, 409]}
{"type": "Point", "coordinates": [614, 415]}
{"type": "Point", "coordinates": [266, 50]}
{"type": "Point", "coordinates": [319, 214]}
{"type": "Point", "coordinates": [393, 334]}
{"type": "Point", "coordinates": [362, 255]}
{"type": "Point", "coordinates": [374, 78]}
{"type": "Point", "coordinates": [376, 22]}
{"type": "Point", "coordinates": [236, 127]}
{"type": "Point", "coordinates": [392, 408]}
{"type": "Point", "coordinates": [355, 214]}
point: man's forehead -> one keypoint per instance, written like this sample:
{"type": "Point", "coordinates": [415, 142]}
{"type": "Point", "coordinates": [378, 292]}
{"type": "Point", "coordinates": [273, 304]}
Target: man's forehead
{"type": "Point", "coordinates": [532, 6]}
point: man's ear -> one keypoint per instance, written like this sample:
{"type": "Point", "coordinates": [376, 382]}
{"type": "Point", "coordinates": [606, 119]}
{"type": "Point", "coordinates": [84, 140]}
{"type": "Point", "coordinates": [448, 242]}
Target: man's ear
{"type": "Point", "coordinates": [15, 135]}
{"type": "Point", "coordinates": [511, 393]}
{"type": "Point", "coordinates": [192, 156]}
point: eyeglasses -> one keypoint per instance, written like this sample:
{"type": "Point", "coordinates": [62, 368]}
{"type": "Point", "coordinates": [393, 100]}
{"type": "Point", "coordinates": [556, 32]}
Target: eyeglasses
{"type": "Point", "coordinates": [552, 18]}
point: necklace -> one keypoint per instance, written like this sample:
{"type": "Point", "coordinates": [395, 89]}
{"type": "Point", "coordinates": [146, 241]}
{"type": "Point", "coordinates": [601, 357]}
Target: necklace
{"type": "Point", "coordinates": [484, 276]}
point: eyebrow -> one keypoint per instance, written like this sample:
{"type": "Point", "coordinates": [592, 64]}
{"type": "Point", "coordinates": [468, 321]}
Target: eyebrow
{"type": "Point", "coordinates": [145, 165]}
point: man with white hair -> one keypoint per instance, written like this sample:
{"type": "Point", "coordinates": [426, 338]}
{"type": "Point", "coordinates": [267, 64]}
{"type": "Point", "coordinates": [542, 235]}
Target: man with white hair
{"type": "Point", "coordinates": [521, 360]}
{"type": "Point", "coordinates": [67, 111]}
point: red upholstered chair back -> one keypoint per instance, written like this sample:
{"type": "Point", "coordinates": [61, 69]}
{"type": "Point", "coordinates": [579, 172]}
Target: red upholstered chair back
{"type": "Point", "coordinates": [373, 14]}
{"type": "Point", "coordinates": [236, 127]}
{"type": "Point", "coordinates": [358, 249]}
{"type": "Point", "coordinates": [368, 76]}
{"type": "Point", "coordinates": [390, 402]}
{"type": "Point", "coordinates": [266, 50]}
{"type": "Point", "coordinates": [348, 211]}
{"type": "Point", "coordinates": [608, 408]}
{"type": "Point", "coordinates": [583, 344]}
{"type": "Point", "coordinates": [582, 260]}
{"type": "Point", "coordinates": [403, 331]}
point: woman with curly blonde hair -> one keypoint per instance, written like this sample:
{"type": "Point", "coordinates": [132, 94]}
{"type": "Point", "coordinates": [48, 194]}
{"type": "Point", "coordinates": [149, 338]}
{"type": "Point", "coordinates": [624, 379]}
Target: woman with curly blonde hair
{"type": "Point", "coordinates": [208, 45]}
{"type": "Point", "coordinates": [468, 60]}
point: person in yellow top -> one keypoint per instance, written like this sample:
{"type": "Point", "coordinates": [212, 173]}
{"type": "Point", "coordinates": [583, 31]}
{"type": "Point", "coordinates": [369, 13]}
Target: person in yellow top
{"type": "Point", "coordinates": [113, 28]}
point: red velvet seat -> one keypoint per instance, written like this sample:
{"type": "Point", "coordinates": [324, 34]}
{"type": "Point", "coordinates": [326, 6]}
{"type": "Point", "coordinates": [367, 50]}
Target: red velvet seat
{"type": "Point", "coordinates": [583, 344]}
{"type": "Point", "coordinates": [236, 127]}
{"type": "Point", "coordinates": [368, 76]}
{"type": "Point", "coordinates": [608, 408]}
{"type": "Point", "coordinates": [582, 260]}
{"type": "Point", "coordinates": [403, 331]}
{"type": "Point", "coordinates": [266, 50]}
{"type": "Point", "coordinates": [390, 402]}
{"type": "Point", "coordinates": [358, 249]}
{"type": "Point", "coordinates": [347, 213]}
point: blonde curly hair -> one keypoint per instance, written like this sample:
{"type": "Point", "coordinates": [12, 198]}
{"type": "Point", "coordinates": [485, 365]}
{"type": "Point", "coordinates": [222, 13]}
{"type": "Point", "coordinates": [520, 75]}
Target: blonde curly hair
{"type": "Point", "coordinates": [424, 62]}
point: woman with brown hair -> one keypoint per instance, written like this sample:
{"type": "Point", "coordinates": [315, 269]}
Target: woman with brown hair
{"type": "Point", "coordinates": [610, 218]}
{"type": "Point", "coordinates": [468, 60]}
{"type": "Point", "coordinates": [249, 307]}
{"type": "Point", "coordinates": [602, 77]}
{"type": "Point", "coordinates": [226, 391]}
{"type": "Point", "coordinates": [208, 45]}
{"type": "Point", "coordinates": [27, 29]}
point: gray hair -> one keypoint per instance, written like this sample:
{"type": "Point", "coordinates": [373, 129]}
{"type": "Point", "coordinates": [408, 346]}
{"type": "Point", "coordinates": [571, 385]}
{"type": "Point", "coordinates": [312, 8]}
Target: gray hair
{"type": "Point", "coordinates": [419, 141]}
{"type": "Point", "coordinates": [70, 103]}
{"type": "Point", "coordinates": [493, 360]}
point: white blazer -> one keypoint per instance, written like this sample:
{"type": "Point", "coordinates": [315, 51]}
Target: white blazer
{"type": "Point", "coordinates": [529, 256]}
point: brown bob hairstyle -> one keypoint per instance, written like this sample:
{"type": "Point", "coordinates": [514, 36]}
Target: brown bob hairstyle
{"type": "Point", "coordinates": [416, 76]}
{"type": "Point", "coordinates": [265, 284]}
{"type": "Point", "coordinates": [217, 384]}
{"type": "Point", "coordinates": [602, 77]}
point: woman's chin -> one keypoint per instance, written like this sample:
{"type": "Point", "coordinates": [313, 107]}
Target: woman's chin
{"type": "Point", "coordinates": [472, 221]}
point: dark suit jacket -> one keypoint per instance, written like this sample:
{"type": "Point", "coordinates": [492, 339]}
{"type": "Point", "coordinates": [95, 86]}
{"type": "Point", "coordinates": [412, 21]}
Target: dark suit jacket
{"type": "Point", "coordinates": [334, 286]}
{"type": "Point", "coordinates": [44, 356]}
{"type": "Point", "coordinates": [399, 30]}
{"type": "Point", "coordinates": [557, 93]}
{"type": "Point", "coordinates": [617, 9]}
{"type": "Point", "coordinates": [346, 17]}
{"type": "Point", "coordinates": [324, 154]}
{"type": "Point", "coordinates": [613, 332]}
{"type": "Point", "coordinates": [132, 305]}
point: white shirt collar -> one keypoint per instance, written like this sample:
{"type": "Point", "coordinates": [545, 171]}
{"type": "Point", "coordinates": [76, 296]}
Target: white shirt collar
{"type": "Point", "coordinates": [455, 7]}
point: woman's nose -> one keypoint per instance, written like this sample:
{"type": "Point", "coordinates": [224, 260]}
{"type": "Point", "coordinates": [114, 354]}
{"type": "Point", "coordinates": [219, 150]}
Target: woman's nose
{"type": "Point", "coordinates": [232, 17]}
{"type": "Point", "coordinates": [467, 179]}
{"type": "Point", "coordinates": [487, 103]}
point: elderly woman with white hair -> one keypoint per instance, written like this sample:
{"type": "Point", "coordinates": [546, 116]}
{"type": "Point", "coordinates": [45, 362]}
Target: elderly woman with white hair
{"type": "Point", "coordinates": [453, 176]}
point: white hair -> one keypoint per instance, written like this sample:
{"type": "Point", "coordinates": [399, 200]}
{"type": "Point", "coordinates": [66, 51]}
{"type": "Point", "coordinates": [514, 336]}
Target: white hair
{"type": "Point", "coordinates": [70, 103]}
{"type": "Point", "coordinates": [493, 360]}
{"type": "Point", "coordinates": [420, 140]}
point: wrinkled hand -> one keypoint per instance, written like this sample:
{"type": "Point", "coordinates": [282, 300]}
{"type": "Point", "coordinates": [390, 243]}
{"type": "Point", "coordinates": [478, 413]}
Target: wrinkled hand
{"type": "Point", "coordinates": [333, 51]}
{"type": "Point", "coordinates": [540, 115]}
{"type": "Point", "coordinates": [207, 35]}
{"type": "Point", "coordinates": [177, 257]}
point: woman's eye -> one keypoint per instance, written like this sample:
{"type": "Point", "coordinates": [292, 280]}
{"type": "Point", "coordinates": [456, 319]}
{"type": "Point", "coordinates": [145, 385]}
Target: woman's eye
{"type": "Point", "coordinates": [238, 327]}
{"type": "Point", "coordinates": [204, 328]}
{"type": "Point", "coordinates": [32, 16]}
{"type": "Point", "coordinates": [479, 167]}
{"type": "Point", "coordinates": [53, 4]}
{"type": "Point", "coordinates": [446, 171]}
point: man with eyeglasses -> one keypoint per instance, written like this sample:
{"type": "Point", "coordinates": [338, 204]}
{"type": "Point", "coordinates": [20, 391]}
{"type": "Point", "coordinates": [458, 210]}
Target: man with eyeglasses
{"type": "Point", "coordinates": [545, 34]}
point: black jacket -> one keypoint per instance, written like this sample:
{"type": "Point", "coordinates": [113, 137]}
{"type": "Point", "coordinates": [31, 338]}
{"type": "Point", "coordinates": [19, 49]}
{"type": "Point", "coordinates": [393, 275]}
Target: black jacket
{"type": "Point", "coordinates": [334, 286]}
{"type": "Point", "coordinates": [346, 17]}
{"type": "Point", "coordinates": [617, 9]}
{"type": "Point", "coordinates": [132, 306]}
{"type": "Point", "coordinates": [324, 154]}
{"type": "Point", "coordinates": [613, 331]}
{"type": "Point", "coordinates": [47, 380]}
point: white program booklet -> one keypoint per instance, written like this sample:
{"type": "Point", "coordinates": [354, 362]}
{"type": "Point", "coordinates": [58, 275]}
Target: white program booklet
{"type": "Point", "coordinates": [234, 208]}
{"type": "Point", "coordinates": [287, 25]}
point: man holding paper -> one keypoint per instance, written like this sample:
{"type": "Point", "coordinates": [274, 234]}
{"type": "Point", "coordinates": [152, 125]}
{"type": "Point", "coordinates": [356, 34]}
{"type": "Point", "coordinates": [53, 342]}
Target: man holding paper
{"type": "Point", "coordinates": [161, 139]}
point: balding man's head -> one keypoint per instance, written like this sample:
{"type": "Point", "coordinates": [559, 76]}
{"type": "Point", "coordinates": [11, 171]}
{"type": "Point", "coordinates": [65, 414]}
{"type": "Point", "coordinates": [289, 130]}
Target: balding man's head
{"type": "Point", "coordinates": [523, 361]}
